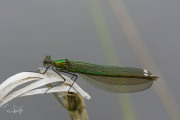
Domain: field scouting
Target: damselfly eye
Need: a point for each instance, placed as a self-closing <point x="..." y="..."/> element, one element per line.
<point x="47" y="61"/>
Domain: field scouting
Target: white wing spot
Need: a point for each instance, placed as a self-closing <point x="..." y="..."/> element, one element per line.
<point x="145" y="74"/>
<point x="145" y="71"/>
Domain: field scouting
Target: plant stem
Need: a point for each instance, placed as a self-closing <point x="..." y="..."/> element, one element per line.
<point x="74" y="104"/>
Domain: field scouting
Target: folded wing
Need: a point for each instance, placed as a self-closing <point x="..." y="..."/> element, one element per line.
<point x="118" y="84"/>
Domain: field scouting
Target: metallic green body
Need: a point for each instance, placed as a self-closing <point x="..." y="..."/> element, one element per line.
<point x="60" y="64"/>
<point x="102" y="70"/>
<point x="110" y="78"/>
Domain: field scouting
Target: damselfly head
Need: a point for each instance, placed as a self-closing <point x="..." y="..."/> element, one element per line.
<point x="47" y="61"/>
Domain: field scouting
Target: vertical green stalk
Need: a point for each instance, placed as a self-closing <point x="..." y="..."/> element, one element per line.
<point x="103" y="32"/>
<point x="111" y="53"/>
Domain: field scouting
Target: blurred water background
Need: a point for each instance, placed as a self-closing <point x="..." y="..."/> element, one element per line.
<point x="131" y="33"/>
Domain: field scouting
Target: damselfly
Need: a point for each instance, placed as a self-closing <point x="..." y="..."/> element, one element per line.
<point x="110" y="78"/>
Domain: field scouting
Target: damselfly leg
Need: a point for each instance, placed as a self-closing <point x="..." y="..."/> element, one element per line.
<point x="73" y="75"/>
<point x="54" y="69"/>
<point x="46" y="69"/>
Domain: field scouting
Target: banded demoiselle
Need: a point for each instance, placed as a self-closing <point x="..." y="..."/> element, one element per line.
<point x="110" y="78"/>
